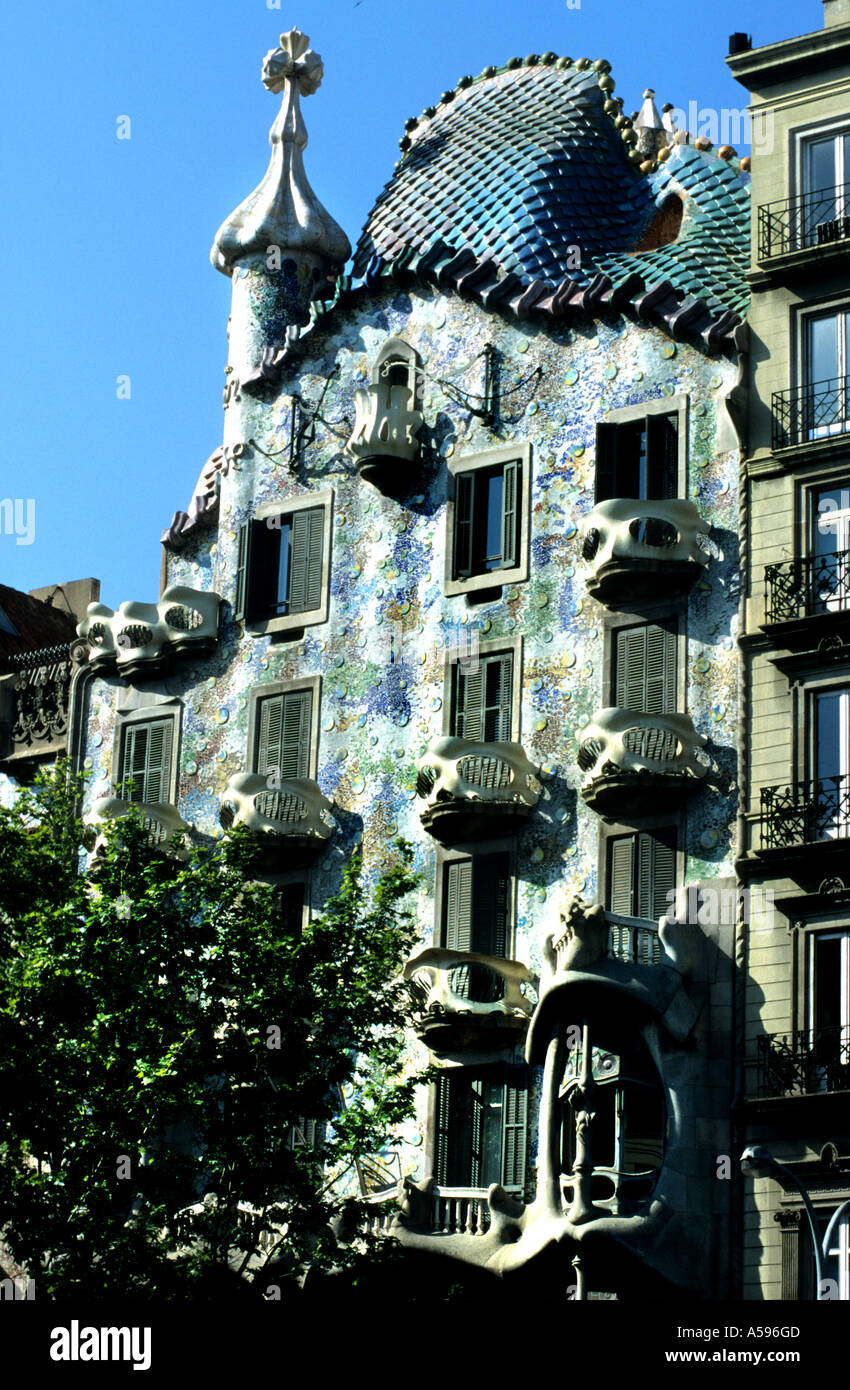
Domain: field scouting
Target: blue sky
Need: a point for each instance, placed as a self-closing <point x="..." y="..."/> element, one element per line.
<point x="105" y="241"/>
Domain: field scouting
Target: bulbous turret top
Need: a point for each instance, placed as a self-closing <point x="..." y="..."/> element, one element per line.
<point x="283" y="211"/>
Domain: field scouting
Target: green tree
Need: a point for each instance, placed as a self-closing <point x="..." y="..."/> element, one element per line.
<point x="162" y="1042"/>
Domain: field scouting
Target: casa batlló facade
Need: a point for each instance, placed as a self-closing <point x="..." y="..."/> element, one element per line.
<point x="465" y="569"/>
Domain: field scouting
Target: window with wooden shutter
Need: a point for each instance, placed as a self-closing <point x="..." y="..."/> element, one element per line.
<point x="482" y="699"/>
<point x="487" y="519"/>
<point x="477" y="904"/>
<point x="638" y="458"/>
<point x="283" y="738"/>
<point x="279" y="566"/>
<point x="305" y="560"/>
<point x="645" y="669"/>
<point x="242" y="604"/>
<point x="480" y="1131"/>
<point x="641" y="873"/>
<point x="146" y="761"/>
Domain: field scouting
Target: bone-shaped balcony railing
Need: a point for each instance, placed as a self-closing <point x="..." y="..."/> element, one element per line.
<point x="160" y="819"/>
<point x="624" y="529"/>
<point x="136" y="636"/>
<point x="293" y="808"/>
<point x="623" y="740"/>
<point x="459" y="774"/>
<point x="385" y="423"/>
<point x="468" y="982"/>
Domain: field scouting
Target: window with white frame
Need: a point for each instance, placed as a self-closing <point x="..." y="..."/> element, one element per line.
<point x="826" y="355"/>
<point x="829" y="1009"/>
<point x="829" y="548"/>
<point x="831" y="763"/>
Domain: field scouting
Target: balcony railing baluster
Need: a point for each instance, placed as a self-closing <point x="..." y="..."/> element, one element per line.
<point x="814" y="410"/>
<point x="819" y="218"/>
<point x="808" y="585"/>
<point x="802" y="813"/>
<point x="804" y="1062"/>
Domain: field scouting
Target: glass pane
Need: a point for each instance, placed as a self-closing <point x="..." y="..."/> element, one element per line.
<point x="828" y="983"/>
<point x="823" y="348"/>
<point x="281" y="598"/>
<point x="831" y="518"/>
<point x="829" y="733"/>
<point x="820" y="173"/>
<point x="493" y="556"/>
<point x="492" y="1104"/>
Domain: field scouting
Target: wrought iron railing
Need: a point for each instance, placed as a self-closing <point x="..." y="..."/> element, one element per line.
<point x="815" y="410"/>
<point x="633" y="940"/>
<point x="803" y="812"/>
<point x="804" y="1062"/>
<point x="810" y="219"/>
<point x="811" y="584"/>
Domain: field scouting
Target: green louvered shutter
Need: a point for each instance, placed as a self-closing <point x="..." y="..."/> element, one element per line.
<point x="479" y="1091"/>
<point x="283" y="742"/>
<point x="656" y="873"/>
<point x="662" y="434"/>
<point x="469" y="721"/>
<point x="621" y="876"/>
<point x="490" y="904"/>
<point x="607" y="439"/>
<point x="146" y="763"/>
<point x="510" y="513"/>
<point x="458" y="916"/>
<point x="443" y="1130"/>
<point x="464" y="505"/>
<point x="515" y="1113"/>
<point x="305" y="560"/>
<point x="497" y="693"/>
<point x="244" y="564"/>
<point x="646" y="669"/>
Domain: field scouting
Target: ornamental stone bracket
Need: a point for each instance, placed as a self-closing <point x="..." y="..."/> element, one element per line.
<point x="142" y="639"/>
<point x="384" y="442"/>
<point x="641" y="548"/>
<point x="634" y="761"/>
<point x="470" y="999"/>
<point x="161" y="820"/>
<point x="664" y="1238"/>
<point x="469" y="789"/>
<point x="291" y="816"/>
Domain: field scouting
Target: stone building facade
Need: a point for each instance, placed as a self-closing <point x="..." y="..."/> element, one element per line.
<point x="794" y="980"/>
<point x="464" y="569"/>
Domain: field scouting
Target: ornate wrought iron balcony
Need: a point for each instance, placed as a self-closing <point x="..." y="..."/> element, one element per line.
<point x="803" y="813"/>
<point x="629" y="938"/>
<point x="806" y="586"/>
<point x="468" y="789"/>
<point x="142" y="638"/>
<point x="637" y="547"/>
<point x="471" y="1000"/>
<point x="34" y="702"/>
<point x="292" y="815"/>
<point x="160" y="819"/>
<point x="815" y="410"/>
<point x="806" y="1062"/>
<point x="803" y="222"/>
<point x="635" y="762"/>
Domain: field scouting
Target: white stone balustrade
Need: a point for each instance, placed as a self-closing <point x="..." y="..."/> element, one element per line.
<point x="291" y="808"/>
<point x="448" y="985"/>
<point x="160" y="819"/>
<point x="143" y="636"/>
<point x="631" y="533"/>
<point x="628" y="741"/>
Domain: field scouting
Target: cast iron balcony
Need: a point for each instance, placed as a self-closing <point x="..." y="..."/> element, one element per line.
<point x="804" y="813"/>
<point x="809" y="1061"/>
<point x="806" y="586"/>
<point x="630" y="939"/>
<point x="643" y="548"/>
<point x="815" y="410"/>
<point x="469" y="789"/>
<point x="292" y="817"/>
<point x="471" y="1000"/>
<point x="637" y="764"/>
<point x="806" y="221"/>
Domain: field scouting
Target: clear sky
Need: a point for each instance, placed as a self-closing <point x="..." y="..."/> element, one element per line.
<point x="105" y="241"/>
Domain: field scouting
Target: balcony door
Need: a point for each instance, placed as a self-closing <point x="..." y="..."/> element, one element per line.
<point x="829" y="589"/>
<point x="829" y="805"/>
<point x="826" y="404"/>
<point x="826" y="167"/>
<point x="828" y="1042"/>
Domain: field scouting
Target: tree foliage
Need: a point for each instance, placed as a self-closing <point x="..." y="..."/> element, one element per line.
<point x="162" y="1041"/>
